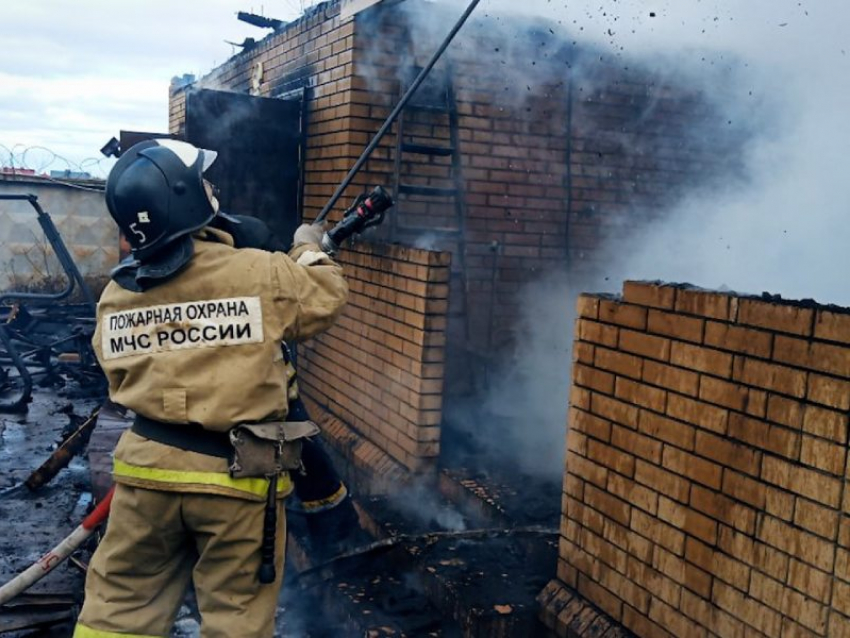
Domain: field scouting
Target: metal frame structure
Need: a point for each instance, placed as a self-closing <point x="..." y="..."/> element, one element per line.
<point x="43" y="339"/>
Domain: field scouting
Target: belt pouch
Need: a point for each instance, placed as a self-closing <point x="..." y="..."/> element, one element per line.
<point x="265" y="449"/>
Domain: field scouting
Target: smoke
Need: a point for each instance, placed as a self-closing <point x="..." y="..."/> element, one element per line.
<point x="418" y="501"/>
<point x="519" y="420"/>
<point x="775" y="224"/>
<point x="227" y="117"/>
<point x="773" y="220"/>
<point x="427" y="241"/>
<point x="784" y="231"/>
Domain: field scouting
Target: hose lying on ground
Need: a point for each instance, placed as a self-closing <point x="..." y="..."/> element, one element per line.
<point x="49" y="561"/>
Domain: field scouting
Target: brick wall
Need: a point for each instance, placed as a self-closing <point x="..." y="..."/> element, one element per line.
<point x="640" y="141"/>
<point x="177" y="108"/>
<point x="314" y="53"/>
<point x="512" y="166"/>
<point x="380" y="368"/>
<point x="559" y="151"/>
<point x="705" y="491"/>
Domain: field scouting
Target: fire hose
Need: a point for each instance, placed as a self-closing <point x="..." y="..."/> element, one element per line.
<point x="50" y="468"/>
<point x="49" y="561"/>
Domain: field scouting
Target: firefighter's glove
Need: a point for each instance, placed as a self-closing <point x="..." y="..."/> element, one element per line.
<point x="308" y="234"/>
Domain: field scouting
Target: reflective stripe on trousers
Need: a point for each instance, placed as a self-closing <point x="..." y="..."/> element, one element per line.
<point x="81" y="631"/>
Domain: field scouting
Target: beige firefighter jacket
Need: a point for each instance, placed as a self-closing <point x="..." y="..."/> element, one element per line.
<point x="205" y="348"/>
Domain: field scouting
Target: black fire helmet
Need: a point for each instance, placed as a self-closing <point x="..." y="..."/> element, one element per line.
<point x="155" y="193"/>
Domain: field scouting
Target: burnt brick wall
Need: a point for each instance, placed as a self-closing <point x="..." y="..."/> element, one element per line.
<point x="706" y="472"/>
<point x="176" y="109"/>
<point x="550" y="166"/>
<point x="560" y="151"/>
<point x="512" y="165"/>
<point x="380" y="368"/>
<point x="315" y="53"/>
<point x="640" y="141"/>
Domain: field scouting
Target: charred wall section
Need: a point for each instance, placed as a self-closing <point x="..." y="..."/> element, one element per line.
<point x="555" y="149"/>
<point x="560" y="149"/>
<point x="705" y="491"/>
<point x="314" y="53"/>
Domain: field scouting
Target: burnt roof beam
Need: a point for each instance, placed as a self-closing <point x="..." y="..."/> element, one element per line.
<point x="260" y="21"/>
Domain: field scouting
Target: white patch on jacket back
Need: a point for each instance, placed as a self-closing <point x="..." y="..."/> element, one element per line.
<point x="197" y="324"/>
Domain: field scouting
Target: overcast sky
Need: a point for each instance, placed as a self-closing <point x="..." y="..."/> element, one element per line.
<point x="73" y="74"/>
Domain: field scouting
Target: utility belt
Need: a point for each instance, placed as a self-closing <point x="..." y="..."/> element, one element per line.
<point x="253" y="450"/>
<point x="190" y="437"/>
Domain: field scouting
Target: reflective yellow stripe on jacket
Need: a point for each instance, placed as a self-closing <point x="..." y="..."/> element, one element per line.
<point x="253" y="486"/>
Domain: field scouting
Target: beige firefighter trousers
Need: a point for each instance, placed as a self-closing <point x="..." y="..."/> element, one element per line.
<point x="156" y="542"/>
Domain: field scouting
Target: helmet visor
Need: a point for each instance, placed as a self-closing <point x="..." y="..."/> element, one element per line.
<point x="208" y="158"/>
<point x="189" y="154"/>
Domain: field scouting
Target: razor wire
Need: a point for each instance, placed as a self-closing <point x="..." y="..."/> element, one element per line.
<point x="38" y="161"/>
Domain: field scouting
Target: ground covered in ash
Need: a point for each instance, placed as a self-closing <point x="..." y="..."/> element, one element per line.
<point x="33" y="522"/>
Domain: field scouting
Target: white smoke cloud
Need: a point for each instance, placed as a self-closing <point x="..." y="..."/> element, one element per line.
<point x="782" y="230"/>
<point x="778" y="70"/>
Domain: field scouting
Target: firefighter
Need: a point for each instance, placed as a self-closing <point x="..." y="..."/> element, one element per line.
<point x="189" y="334"/>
